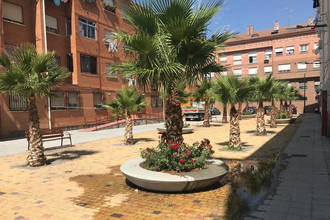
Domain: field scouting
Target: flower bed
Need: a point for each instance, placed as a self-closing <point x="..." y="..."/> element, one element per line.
<point x="177" y="157"/>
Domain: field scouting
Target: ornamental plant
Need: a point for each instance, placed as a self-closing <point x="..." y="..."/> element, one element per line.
<point x="177" y="156"/>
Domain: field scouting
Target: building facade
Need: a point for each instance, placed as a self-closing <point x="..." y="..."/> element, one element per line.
<point x="322" y="28"/>
<point x="286" y="52"/>
<point x="80" y="33"/>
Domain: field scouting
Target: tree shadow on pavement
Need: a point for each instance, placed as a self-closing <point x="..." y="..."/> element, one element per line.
<point x="68" y="155"/>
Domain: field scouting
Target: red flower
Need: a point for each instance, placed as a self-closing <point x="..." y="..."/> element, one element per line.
<point x="147" y="148"/>
<point x="168" y="142"/>
<point x="207" y="141"/>
<point x="185" y="166"/>
<point x="209" y="145"/>
<point x="174" y="147"/>
<point x="192" y="161"/>
<point x="148" y="155"/>
<point x="211" y="151"/>
<point x="182" y="161"/>
<point x="188" y="153"/>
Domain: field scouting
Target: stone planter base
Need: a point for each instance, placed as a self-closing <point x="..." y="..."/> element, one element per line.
<point x="184" y="130"/>
<point x="283" y="121"/>
<point x="248" y="116"/>
<point x="165" y="182"/>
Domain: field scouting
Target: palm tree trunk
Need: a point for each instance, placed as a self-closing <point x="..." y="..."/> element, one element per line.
<point x="286" y="107"/>
<point x="234" y="132"/>
<point x="290" y="109"/>
<point x="239" y="110"/>
<point x="36" y="155"/>
<point x="173" y="120"/>
<point x="128" y="129"/>
<point x="273" y="116"/>
<point x="247" y="107"/>
<point x="224" y="115"/>
<point x="281" y="106"/>
<point x="261" y="129"/>
<point x="206" y="122"/>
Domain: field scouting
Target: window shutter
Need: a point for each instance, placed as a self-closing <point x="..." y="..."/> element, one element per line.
<point x="51" y="22"/>
<point x="253" y="71"/>
<point x="284" y="67"/>
<point x="12" y="12"/>
<point x="237" y="57"/>
<point x="268" y="69"/>
<point x="278" y="50"/>
<point x="302" y="66"/>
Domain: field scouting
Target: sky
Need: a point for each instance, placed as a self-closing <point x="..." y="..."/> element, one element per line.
<point x="236" y="15"/>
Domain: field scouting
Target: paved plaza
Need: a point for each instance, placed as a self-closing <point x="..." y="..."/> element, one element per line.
<point x="84" y="181"/>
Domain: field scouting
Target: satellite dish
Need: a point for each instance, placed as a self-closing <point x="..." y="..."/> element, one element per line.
<point x="57" y="2"/>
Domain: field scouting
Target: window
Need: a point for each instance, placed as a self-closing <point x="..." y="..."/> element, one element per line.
<point x="109" y="73"/>
<point x="69" y="61"/>
<point x="303" y="48"/>
<point x="237" y="59"/>
<point x="302" y="66"/>
<point x="73" y="100"/>
<point x="57" y="101"/>
<point x="87" y="28"/>
<point x="224" y="73"/>
<point x="290" y="50"/>
<point x="156" y="102"/>
<point x="68" y="29"/>
<point x="223" y="58"/>
<point x="279" y="52"/>
<point x="268" y="54"/>
<point x="284" y="68"/>
<point x="109" y="6"/>
<point x="51" y="24"/>
<point x="268" y="69"/>
<point x="88" y="64"/>
<point x="316" y="64"/>
<point x="124" y="11"/>
<point x="11" y="12"/>
<point x="238" y="73"/>
<point x="97" y="100"/>
<point x="253" y="72"/>
<point x="252" y="57"/>
<point x="17" y="103"/>
<point x="58" y="60"/>
<point x="316" y="45"/>
<point x="303" y="86"/>
<point x="317" y="86"/>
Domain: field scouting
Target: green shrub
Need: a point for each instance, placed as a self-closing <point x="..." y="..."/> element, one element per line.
<point x="247" y="113"/>
<point x="176" y="156"/>
<point x="282" y="115"/>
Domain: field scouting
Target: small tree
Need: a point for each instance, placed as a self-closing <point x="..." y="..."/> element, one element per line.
<point x="273" y="95"/>
<point x="234" y="91"/>
<point x="261" y="90"/>
<point x="293" y="94"/>
<point x="202" y="94"/>
<point x="31" y="75"/>
<point x="127" y="102"/>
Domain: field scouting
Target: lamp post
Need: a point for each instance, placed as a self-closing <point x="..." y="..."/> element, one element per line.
<point x="304" y="92"/>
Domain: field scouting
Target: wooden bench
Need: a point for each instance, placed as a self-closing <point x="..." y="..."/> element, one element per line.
<point x="51" y="135"/>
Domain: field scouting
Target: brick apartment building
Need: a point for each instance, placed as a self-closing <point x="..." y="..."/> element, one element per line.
<point x="287" y="52"/>
<point x="79" y="32"/>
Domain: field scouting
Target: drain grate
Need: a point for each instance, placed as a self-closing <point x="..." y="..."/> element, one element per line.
<point x="298" y="155"/>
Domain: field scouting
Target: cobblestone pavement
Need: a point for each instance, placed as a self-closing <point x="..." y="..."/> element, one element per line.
<point x="303" y="191"/>
<point x="83" y="182"/>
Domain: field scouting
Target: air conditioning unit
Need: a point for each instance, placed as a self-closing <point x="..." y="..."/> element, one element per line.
<point x="266" y="61"/>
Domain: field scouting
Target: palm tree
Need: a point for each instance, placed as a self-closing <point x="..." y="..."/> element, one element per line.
<point x="170" y="47"/>
<point x="31" y="75"/>
<point x="202" y="94"/>
<point x="261" y="89"/>
<point x="234" y="91"/>
<point x="222" y="98"/>
<point x="293" y="95"/>
<point x="284" y="93"/>
<point x="273" y="95"/>
<point x="127" y="102"/>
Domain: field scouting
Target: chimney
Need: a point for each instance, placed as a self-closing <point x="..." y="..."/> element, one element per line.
<point x="276" y="26"/>
<point x="309" y="20"/>
<point x="250" y="29"/>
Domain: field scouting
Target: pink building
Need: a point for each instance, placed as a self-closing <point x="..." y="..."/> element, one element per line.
<point x="287" y="52"/>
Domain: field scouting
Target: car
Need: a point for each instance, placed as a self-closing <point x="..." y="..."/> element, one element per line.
<point x="251" y="109"/>
<point x="267" y="109"/>
<point x="214" y="111"/>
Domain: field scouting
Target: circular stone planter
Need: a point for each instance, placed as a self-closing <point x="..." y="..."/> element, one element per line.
<point x="184" y="130"/>
<point x="165" y="182"/>
<point x="248" y="116"/>
<point x="283" y="121"/>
